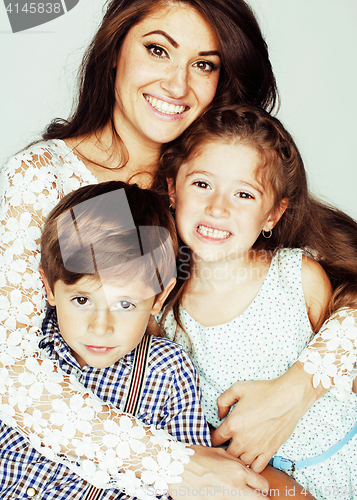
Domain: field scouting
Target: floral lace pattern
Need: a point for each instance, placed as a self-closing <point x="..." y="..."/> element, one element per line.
<point x="61" y="419"/>
<point x="331" y="356"/>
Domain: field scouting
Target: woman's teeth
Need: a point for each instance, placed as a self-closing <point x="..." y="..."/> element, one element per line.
<point x="164" y="107"/>
<point x="213" y="233"/>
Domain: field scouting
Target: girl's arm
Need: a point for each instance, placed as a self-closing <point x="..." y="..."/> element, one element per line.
<point x="60" y="419"/>
<point x="269" y="410"/>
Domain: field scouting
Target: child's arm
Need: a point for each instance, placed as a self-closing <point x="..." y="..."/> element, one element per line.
<point x="317" y="291"/>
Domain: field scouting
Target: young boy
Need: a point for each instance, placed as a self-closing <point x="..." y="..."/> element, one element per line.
<point x="108" y="263"/>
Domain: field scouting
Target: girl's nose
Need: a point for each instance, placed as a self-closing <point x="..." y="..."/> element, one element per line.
<point x="217" y="207"/>
<point x="100" y="323"/>
<point x="176" y="82"/>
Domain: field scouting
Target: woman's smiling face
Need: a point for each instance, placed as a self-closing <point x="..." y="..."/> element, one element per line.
<point x="167" y="74"/>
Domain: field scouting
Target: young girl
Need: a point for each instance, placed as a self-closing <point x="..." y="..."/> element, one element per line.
<point x="254" y="298"/>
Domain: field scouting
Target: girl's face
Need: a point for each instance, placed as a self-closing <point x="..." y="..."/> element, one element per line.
<point x="167" y="74"/>
<point x="221" y="208"/>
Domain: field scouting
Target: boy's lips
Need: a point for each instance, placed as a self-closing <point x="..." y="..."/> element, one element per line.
<point x="213" y="233"/>
<point x="98" y="349"/>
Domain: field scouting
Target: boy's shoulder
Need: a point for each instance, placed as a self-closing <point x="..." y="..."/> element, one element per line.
<point x="167" y="355"/>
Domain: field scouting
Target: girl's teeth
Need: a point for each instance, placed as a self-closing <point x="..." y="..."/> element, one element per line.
<point x="213" y="233"/>
<point x="164" y="107"/>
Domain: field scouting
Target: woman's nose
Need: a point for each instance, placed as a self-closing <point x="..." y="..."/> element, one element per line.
<point x="217" y="206"/>
<point x="100" y="323"/>
<point x="176" y="82"/>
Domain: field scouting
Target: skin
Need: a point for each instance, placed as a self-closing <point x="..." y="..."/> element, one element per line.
<point x="103" y="321"/>
<point x="157" y="60"/>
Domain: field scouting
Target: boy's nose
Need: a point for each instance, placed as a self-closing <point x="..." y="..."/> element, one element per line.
<point x="100" y="323"/>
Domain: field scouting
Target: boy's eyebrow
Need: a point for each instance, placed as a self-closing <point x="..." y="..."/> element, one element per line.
<point x="176" y="45"/>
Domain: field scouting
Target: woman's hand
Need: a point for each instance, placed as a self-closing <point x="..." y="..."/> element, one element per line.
<point x="265" y="416"/>
<point x="212" y="472"/>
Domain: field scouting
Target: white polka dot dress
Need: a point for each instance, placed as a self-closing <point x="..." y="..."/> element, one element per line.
<point x="262" y="343"/>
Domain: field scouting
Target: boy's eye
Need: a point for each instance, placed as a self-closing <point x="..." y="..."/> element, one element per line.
<point x="205" y="66"/>
<point x="125" y="305"/>
<point x="244" y="194"/>
<point x="156" y="51"/>
<point x="81" y="301"/>
<point x="202" y="184"/>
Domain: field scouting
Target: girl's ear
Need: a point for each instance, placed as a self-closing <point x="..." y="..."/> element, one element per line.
<point x="50" y="295"/>
<point x="172" y="191"/>
<point x="276" y="215"/>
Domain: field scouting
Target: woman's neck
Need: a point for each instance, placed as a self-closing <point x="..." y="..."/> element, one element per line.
<point x="129" y="161"/>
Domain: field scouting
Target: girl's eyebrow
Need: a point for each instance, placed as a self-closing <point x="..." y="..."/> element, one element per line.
<point x="176" y="45"/>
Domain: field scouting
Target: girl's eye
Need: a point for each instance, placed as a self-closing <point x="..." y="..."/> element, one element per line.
<point x="81" y="301"/>
<point x="202" y="184"/>
<point x="125" y="305"/>
<point x="243" y="194"/>
<point x="156" y="51"/>
<point x="205" y="66"/>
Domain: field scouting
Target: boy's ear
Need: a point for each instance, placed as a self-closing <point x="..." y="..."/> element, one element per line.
<point x="172" y="190"/>
<point x="156" y="308"/>
<point x="276" y="215"/>
<point x="50" y="296"/>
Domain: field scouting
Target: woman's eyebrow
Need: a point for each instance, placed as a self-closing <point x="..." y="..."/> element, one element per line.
<point x="163" y="33"/>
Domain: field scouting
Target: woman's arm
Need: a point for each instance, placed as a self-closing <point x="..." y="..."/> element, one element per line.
<point x="63" y="421"/>
<point x="268" y="411"/>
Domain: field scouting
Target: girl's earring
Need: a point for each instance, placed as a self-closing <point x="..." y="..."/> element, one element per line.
<point x="267" y="234"/>
<point x="172" y="210"/>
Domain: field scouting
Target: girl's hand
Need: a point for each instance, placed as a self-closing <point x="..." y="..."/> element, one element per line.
<point x="212" y="472"/>
<point x="265" y="416"/>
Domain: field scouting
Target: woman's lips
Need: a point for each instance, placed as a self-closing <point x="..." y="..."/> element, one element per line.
<point x="166" y="109"/>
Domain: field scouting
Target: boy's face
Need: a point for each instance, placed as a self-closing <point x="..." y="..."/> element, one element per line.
<point x="101" y="322"/>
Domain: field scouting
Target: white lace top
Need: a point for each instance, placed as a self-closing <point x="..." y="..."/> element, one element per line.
<point x="61" y="419"/>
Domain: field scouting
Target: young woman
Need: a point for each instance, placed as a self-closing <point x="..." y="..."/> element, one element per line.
<point x="151" y="70"/>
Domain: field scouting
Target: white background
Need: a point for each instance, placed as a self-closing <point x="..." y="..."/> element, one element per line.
<point x="313" y="48"/>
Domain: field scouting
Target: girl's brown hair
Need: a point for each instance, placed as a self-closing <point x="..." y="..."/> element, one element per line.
<point x="246" y="75"/>
<point x="326" y="233"/>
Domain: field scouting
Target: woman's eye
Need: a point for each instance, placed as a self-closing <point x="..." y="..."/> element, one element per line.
<point x="81" y="301"/>
<point x="202" y="184"/>
<point x="156" y="51"/>
<point x="243" y="194"/>
<point x="125" y="305"/>
<point x="205" y="66"/>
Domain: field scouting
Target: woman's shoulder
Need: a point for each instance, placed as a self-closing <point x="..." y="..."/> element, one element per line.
<point x="43" y="165"/>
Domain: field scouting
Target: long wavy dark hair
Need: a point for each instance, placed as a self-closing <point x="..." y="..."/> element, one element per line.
<point x="326" y="233"/>
<point x="246" y="75"/>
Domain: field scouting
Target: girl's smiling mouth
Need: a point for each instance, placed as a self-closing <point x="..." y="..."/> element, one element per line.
<point x="212" y="233"/>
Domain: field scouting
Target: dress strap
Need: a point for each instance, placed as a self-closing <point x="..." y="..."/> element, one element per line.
<point x="282" y="463"/>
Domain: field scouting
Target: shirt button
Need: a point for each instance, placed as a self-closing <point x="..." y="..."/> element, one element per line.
<point x="31" y="492"/>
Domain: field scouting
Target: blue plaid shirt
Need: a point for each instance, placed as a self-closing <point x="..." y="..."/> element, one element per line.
<point x="170" y="401"/>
